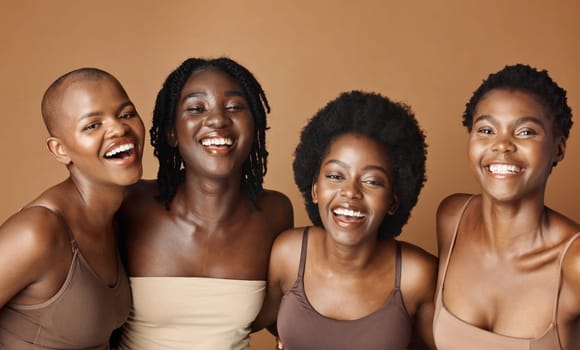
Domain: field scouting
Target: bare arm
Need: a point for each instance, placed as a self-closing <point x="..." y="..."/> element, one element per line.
<point x="418" y="283"/>
<point x="571" y="290"/>
<point x="282" y="272"/>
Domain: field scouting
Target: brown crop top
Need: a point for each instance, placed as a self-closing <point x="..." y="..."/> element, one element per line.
<point x="301" y="327"/>
<point x="81" y="315"/>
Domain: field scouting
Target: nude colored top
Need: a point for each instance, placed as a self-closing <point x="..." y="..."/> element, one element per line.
<point x="301" y="327"/>
<point x="452" y="333"/>
<point x="191" y="313"/>
<point x="81" y="315"/>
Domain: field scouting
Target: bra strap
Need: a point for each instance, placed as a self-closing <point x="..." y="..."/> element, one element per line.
<point x="451" y="246"/>
<point x="62" y="220"/>
<point x="398" y="263"/>
<point x="303" y="253"/>
<point x="559" y="284"/>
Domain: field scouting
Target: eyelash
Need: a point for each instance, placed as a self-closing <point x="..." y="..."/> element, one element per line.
<point x="128" y="115"/>
<point x="486" y="131"/>
<point x="91" y="126"/>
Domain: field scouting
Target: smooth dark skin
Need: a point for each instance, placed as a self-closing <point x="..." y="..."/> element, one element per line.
<point x="349" y="272"/>
<point x="504" y="265"/>
<point x="35" y="249"/>
<point x="211" y="229"/>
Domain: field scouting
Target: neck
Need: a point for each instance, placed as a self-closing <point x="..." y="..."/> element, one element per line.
<point x="210" y="200"/>
<point x="350" y="259"/>
<point x="97" y="204"/>
<point x="513" y="229"/>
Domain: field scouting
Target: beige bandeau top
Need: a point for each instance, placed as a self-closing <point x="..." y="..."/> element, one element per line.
<point x="181" y="313"/>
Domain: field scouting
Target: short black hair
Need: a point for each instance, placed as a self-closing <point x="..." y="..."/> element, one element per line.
<point x="522" y="77"/>
<point x="390" y="123"/>
<point x="170" y="173"/>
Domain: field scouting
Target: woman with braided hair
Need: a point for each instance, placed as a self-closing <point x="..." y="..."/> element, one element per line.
<point x="198" y="239"/>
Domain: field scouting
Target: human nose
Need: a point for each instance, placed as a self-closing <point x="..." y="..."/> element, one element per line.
<point x="117" y="127"/>
<point x="351" y="189"/>
<point x="504" y="144"/>
<point x="218" y="119"/>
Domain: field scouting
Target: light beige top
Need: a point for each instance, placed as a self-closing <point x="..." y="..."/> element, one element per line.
<point x="191" y="313"/>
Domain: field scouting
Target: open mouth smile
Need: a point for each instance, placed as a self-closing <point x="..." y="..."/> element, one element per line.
<point x="121" y="151"/>
<point x="503" y="169"/>
<point x="217" y="142"/>
<point x="348" y="214"/>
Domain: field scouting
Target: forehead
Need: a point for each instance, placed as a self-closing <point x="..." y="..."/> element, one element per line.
<point x="83" y="96"/>
<point x="85" y="92"/>
<point x="210" y="79"/>
<point x="358" y="148"/>
<point x="514" y="103"/>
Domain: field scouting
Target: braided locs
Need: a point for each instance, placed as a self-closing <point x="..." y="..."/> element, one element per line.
<point x="170" y="173"/>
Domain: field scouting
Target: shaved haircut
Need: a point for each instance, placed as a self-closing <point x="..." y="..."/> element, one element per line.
<point x="50" y="106"/>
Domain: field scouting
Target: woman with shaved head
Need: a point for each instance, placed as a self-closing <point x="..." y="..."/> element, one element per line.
<point x="62" y="284"/>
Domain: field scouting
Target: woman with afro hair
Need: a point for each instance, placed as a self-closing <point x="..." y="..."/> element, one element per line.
<point x="346" y="282"/>
<point x="198" y="239"/>
<point x="509" y="273"/>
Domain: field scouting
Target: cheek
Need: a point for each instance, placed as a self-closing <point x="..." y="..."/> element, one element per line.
<point x="474" y="150"/>
<point x="246" y="126"/>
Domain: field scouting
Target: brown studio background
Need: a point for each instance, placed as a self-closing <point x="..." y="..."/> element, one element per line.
<point x="430" y="55"/>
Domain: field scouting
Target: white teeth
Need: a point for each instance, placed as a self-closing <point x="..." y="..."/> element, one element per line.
<point x="348" y="212"/>
<point x="217" y="141"/>
<point x="504" y="169"/>
<point x="117" y="150"/>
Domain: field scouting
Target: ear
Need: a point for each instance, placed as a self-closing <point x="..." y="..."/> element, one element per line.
<point x="560" y="151"/>
<point x="172" y="138"/>
<point x="394" y="205"/>
<point x="58" y="150"/>
<point x="313" y="193"/>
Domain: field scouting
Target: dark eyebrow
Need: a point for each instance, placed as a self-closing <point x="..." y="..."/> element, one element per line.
<point x="203" y="94"/>
<point x="519" y="121"/>
<point x="99" y="113"/>
<point x="368" y="167"/>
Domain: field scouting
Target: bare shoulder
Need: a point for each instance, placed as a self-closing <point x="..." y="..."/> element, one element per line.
<point x="31" y="242"/>
<point x="571" y="264"/>
<point x="448" y="215"/>
<point x="419" y="266"/>
<point x="36" y="229"/>
<point x="288" y="244"/>
<point x="277" y="208"/>
<point x="285" y="255"/>
<point x="418" y="279"/>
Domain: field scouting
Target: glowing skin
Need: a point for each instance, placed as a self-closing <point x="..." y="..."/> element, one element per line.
<point x="214" y="127"/>
<point x="100" y="134"/>
<point x="511" y="138"/>
<point x="353" y="189"/>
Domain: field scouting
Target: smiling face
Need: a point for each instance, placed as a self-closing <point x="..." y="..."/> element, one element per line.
<point x="98" y="133"/>
<point x="214" y="128"/>
<point x="513" y="144"/>
<point x="353" y="189"/>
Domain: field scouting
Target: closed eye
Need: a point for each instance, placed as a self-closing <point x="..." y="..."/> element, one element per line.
<point x="373" y="183"/>
<point x="128" y="115"/>
<point x="235" y="108"/>
<point x="195" y="109"/>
